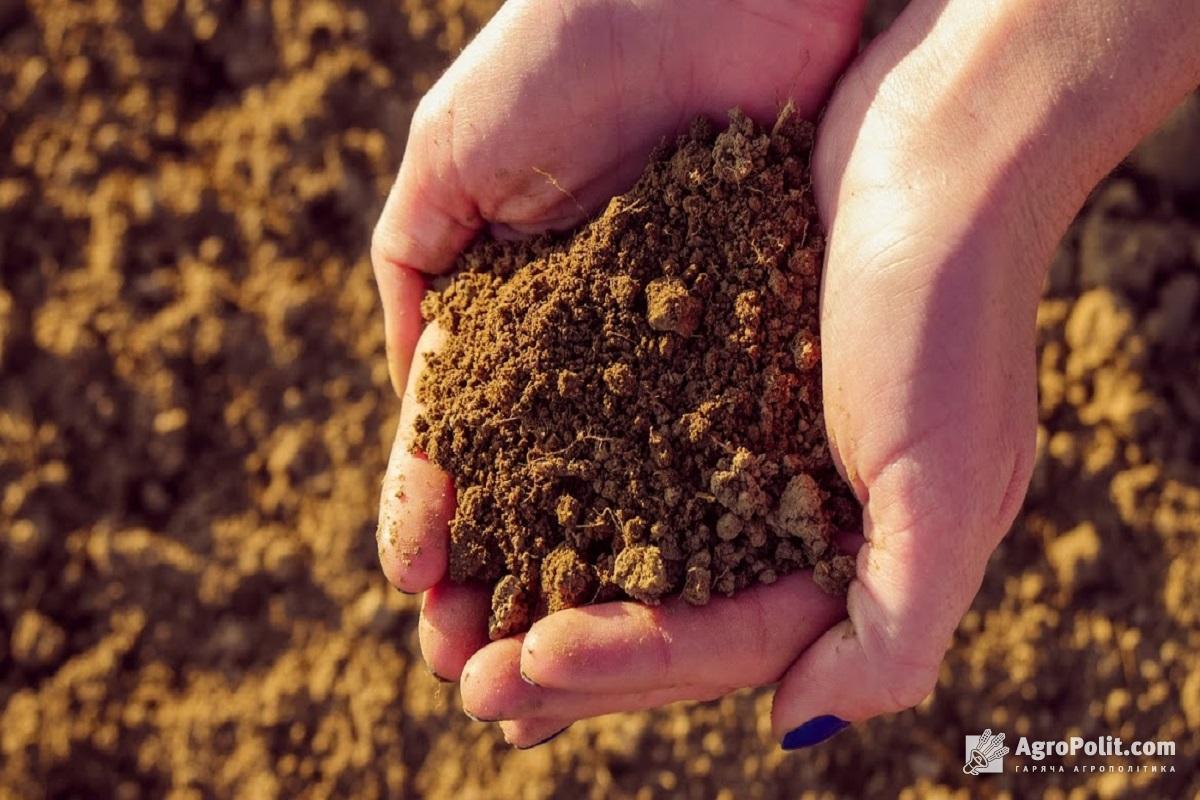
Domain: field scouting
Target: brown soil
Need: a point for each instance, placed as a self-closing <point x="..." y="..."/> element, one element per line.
<point x="194" y="412"/>
<point x="636" y="411"/>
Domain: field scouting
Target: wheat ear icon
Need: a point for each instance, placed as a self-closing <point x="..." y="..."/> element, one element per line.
<point x="989" y="747"/>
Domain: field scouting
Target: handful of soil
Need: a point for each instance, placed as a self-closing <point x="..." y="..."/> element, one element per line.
<point x="635" y="411"/>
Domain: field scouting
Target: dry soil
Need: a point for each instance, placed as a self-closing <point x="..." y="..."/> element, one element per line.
<point x="194" y="412"/>
<point x="635" y="410"/>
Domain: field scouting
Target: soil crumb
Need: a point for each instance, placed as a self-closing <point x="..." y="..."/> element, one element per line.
<point x="635" y="411"/>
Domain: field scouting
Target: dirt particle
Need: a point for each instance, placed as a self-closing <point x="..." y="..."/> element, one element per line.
<point x="800" y="513"/>
<point x="36" y="640"/>
<point x="736" y="150"/>
<point x="566" y="580"/>
<point x="624" y="290"/>
<point x="729" y="525"/>
<point x="738" y="486"/>
<point x="567" y="511"/>
<point x="669" y="307"/>
<point x="619" y="380"/>
<point x="697" y="585"/>
<point x="570" y="383"/>
<point x="835" y="574"/>
<point x="806" y="350"/>
<point x="641" y="574"/>
<point x="510" y="608"/>
<point x="634" y="531"/>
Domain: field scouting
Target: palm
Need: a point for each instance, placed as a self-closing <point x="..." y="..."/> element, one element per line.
<point x="534" y="137"/>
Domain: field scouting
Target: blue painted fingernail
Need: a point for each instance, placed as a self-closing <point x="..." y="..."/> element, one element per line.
<point x="815" y="731"/>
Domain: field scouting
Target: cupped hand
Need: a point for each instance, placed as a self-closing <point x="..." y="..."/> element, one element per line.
<point x="927" y="323"/>
<point x="553" y="109"/>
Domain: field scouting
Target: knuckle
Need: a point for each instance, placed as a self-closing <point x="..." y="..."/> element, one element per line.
<point x="380" y="244"/>
<point x="427" y="108"/>
<point x="756" y="629"/>
<point x="659" y="640"/>
<point x="432" y="120"/>
<point x="420" y="151"/>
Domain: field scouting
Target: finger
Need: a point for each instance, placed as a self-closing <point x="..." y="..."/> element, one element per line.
<point x="493" y="689"/>
<point x="745" y="640"/>
<point x="417" y="501"/>
<point x="429" y="216"/>
<point x="915" y="578"/>
<point x="529" y="733"/>
<point x="453" y="626"/>
<point x="425" y="223"/>
<point x="427" y="220"/>
<point x="400" y="290"/>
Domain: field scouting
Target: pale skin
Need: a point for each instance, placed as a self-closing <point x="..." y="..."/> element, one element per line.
<point x="951" y="157"/>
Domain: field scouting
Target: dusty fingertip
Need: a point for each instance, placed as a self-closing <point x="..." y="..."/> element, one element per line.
<point x="398" y="572"/>
<point x="389" y="564"/>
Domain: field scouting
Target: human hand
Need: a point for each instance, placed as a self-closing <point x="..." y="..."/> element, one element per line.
<point x="949" y="164"/>
<point x="554" y="108"/>
<point x="524" y="138"/>
<point x="927" y="171"/>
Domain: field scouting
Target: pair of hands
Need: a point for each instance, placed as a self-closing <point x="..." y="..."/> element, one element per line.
<point x="937" y="242"/>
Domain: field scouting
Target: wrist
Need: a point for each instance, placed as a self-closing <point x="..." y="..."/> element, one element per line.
<point x="1019" y="103"/>
<point x="1104" y="71"/>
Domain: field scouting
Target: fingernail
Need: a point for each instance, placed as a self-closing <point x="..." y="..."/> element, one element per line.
<point x="528" y="680"/>
<point x="815" y="731"/>
<point x="549" y="738"/>
<point x="439" y="677"/>
<point x="479" y="719"/>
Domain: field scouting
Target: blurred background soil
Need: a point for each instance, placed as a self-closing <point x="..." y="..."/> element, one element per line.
<point x="194" y="412"/>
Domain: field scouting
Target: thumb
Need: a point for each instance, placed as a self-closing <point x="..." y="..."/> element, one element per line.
<point x="916" y="576"/>
<point x="427" y="220"/>
<point x="937" y="430"/>
<point x="930" y="401"/>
